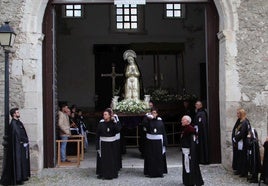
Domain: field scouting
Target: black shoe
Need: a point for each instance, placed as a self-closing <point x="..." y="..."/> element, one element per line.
<point x="26" y="179"/>
<point x="99" y="177"/>
<point x="253" y="181"/>
<point x="19" y="183"/>
<point x="243" y="175"/>
<point x="107" y="178"/>
<point x="236" y="173"/>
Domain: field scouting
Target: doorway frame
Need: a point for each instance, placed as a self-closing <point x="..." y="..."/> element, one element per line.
<point x="212" y="56"/>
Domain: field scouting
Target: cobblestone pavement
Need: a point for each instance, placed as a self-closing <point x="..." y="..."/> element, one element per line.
<point x="212" y="175"/>
<point x="132" y="173"/>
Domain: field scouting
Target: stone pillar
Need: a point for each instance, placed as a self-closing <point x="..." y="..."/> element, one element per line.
<point x="229" y="90"/>
<point x="26" y="71"/>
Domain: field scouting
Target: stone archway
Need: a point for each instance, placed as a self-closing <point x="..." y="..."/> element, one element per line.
<point x="31" y="79"/>
<point x="26" y="70"/>
<point x="228" y="77"/>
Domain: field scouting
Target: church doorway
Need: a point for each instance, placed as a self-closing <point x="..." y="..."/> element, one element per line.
<point x="179" y="54"/>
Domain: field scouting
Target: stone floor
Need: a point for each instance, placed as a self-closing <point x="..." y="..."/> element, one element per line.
<point x="132" y="173"/>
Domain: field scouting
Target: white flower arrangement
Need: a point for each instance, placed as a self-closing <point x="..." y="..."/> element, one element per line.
<point x="132" y="106"/>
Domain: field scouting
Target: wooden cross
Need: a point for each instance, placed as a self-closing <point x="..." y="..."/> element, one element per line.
<point x="113" y="75"/>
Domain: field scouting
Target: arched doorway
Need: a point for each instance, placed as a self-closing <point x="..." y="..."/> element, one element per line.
<point x="49" y="88"/>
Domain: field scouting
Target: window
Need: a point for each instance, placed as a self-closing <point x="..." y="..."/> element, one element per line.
<point x="126" y="17"/>
<point x="74" y="11"/>
<point x="174" y="10"/>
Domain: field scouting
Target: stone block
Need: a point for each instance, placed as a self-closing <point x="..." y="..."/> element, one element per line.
<point x="29" y="67"/>
<point x="31" y="100"/>
<point x="35" y="160"/>
<point x="25" y="51"/>
<point x="233" y="92"/>
<point x="29" y="116"/>
<point x="32" y="131"/>
<point x="16" y="68"/>
<point x="29" y="83"/>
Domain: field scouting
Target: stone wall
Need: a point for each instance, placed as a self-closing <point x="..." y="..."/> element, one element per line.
<point x="25" y="68"/>
<point x="11" y="10"/>
<point x="243" y="67"/>
<point x="252" y="61"/>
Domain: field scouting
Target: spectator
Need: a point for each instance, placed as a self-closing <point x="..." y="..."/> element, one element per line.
<point x="64" y="130"/>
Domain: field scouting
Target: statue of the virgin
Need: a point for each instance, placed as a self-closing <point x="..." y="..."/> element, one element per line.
<point x="132" y="85"/>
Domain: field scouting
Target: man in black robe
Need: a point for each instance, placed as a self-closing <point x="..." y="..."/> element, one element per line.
<point x="118" y="150"/>
<point x="264" y="172"/>
<point x="142" y="130"/>
<point x="188" y="109"/>
<point x="240" y="140"/>
<point x="253" y="154"/>
<point x="16" y="169"/>
<point x="155" y="164"/>
<point x="107" y="147"/>
<point x="191" y="174"/>
<point x="234" y="162"/>
<point x="201" y="126"/>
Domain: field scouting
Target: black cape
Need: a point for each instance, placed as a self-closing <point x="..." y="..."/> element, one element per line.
<point x="264" y="174"/>
<point x="142" y="134"/>
<point x="188" y="140"/>
<point x="118" y="153"/>
<point x="155" y="164"/>
<point x="16" y="169"/>
<point x="201" y="122"/>
<point x="253" y="155"/>
<point x="234" y="162"/>
<point x="240" y="137"/>
<point x="108" y="152"/>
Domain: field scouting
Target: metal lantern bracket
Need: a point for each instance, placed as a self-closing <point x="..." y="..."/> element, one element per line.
<point x="7" y="37"/>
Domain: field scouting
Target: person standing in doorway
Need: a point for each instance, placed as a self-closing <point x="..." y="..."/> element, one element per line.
<point x="64" y="130"/>
<point x="107" y="146"/>
<point x="82" y="127"/>
<point x="201" y="126"/>
<point x="155" y="164"/>
<point x="16" y="169"/>
<point x="142" y="129"/>
<point x="191" y="174"/>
